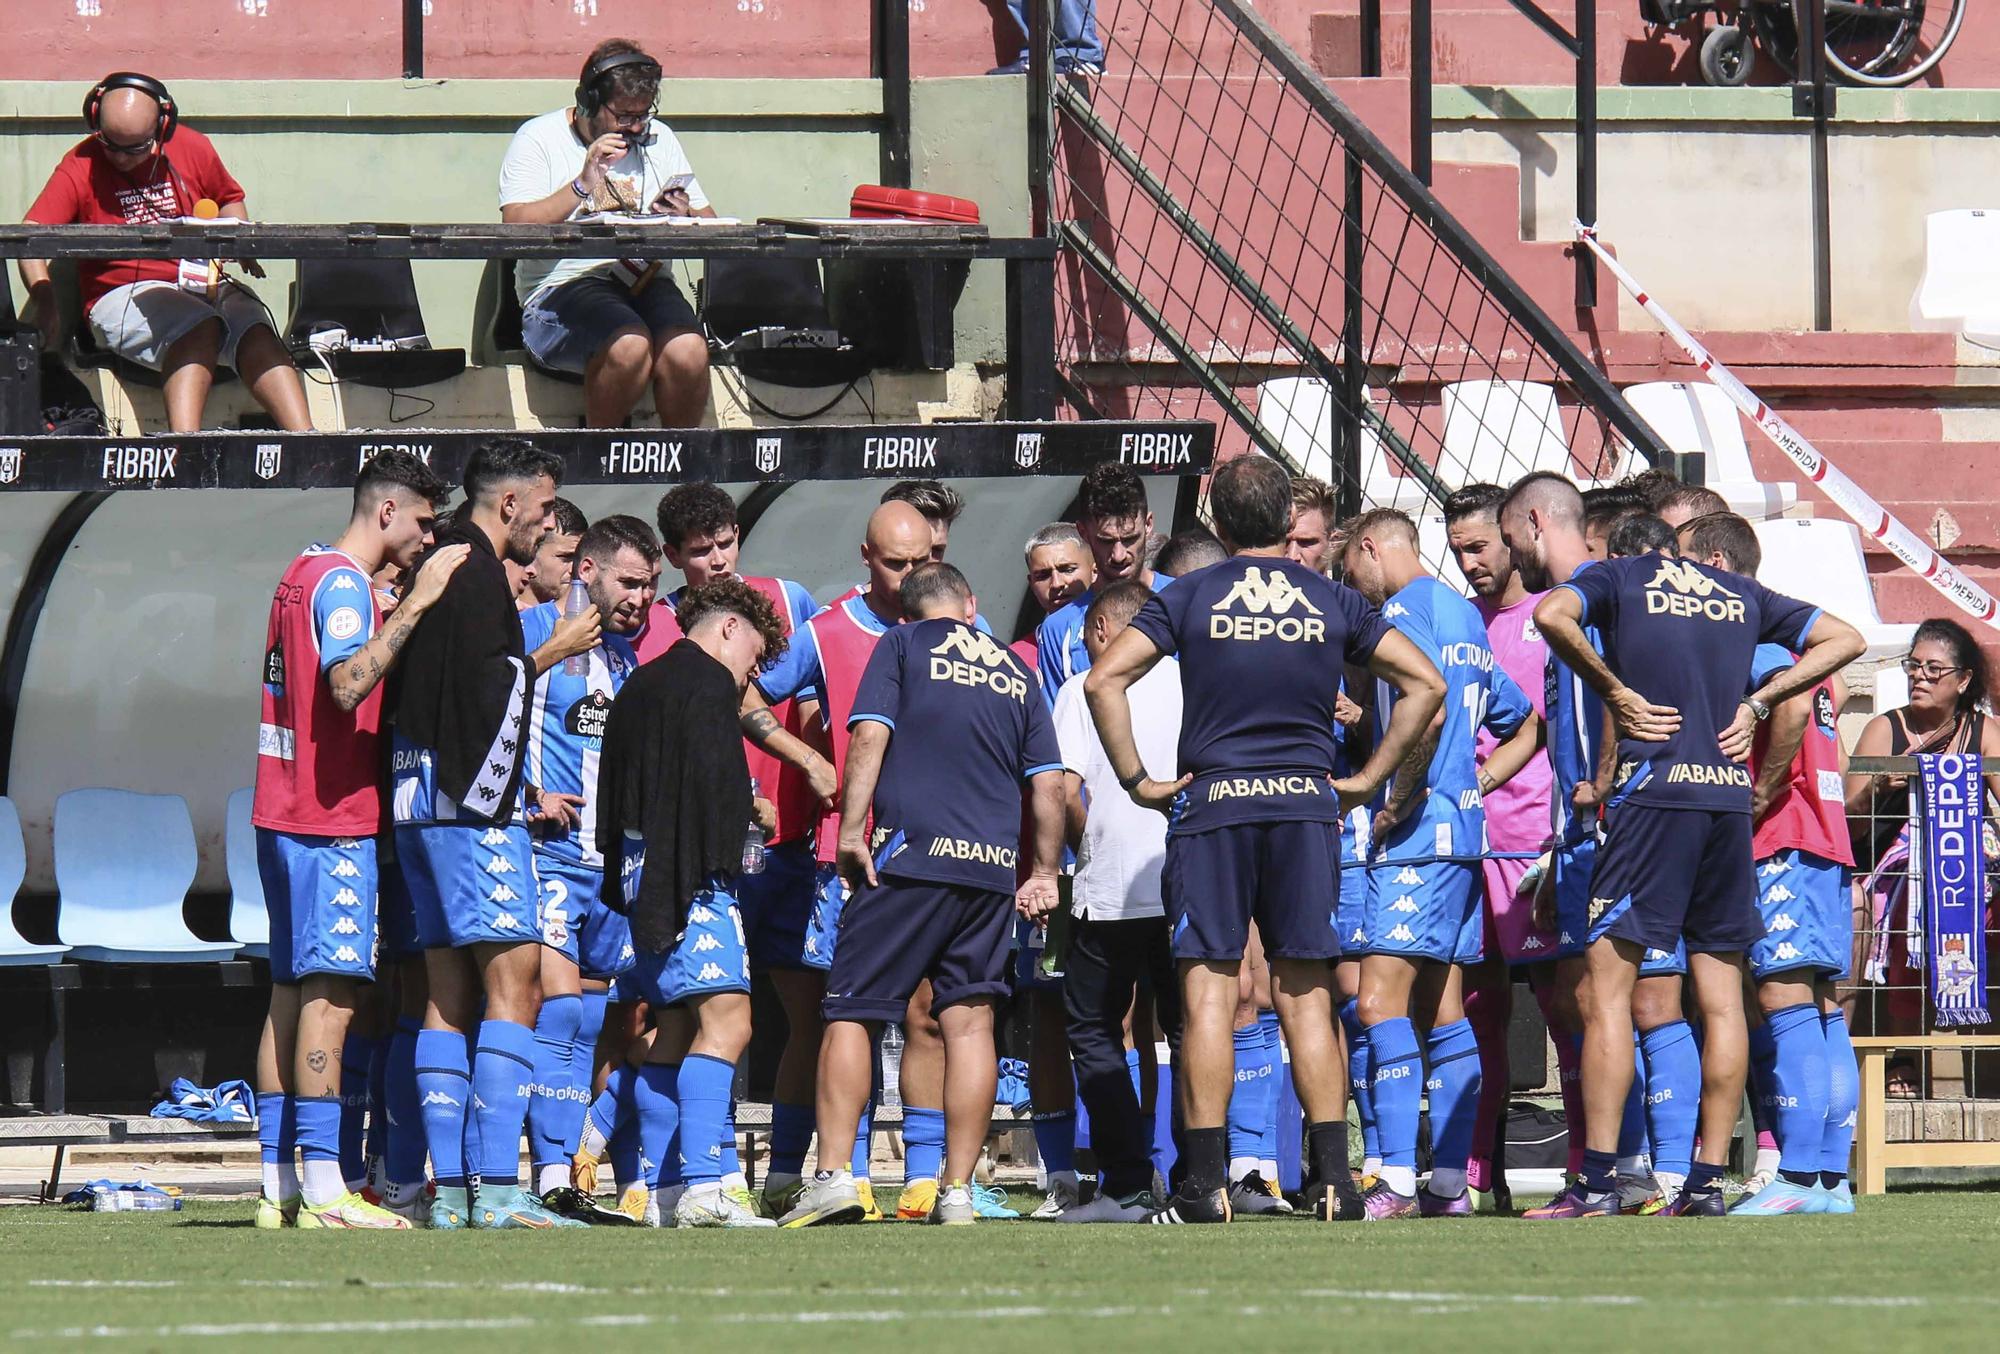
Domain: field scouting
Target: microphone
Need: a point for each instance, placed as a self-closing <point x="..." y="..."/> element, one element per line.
<point x="206" y="210"/>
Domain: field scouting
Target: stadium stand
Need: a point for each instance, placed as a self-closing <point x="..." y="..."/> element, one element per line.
<point x="1960" y="289"/>
<point x="1819" y="559"/>
<point x="1697" y="417"/>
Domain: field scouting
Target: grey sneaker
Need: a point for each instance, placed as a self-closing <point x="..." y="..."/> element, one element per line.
<point x="954" y="1206"/>
<point x="1061" y="1198"/>
<point x="1250" y="1197"/>
<point x="826" y="1200"/>
<point x="713" y="1206"/>
<point x="1112" y="1208"/>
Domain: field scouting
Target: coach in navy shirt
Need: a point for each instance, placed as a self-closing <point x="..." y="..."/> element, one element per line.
<point x="1256" y="811"/>
<point x="1676" y="860"/>
<point x="947" y="726"/>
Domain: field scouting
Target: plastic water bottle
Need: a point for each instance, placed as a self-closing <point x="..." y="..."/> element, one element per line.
<point x="892" y="1064"/>
<point x="577" y="664"/>
<point x="753" y="840"/>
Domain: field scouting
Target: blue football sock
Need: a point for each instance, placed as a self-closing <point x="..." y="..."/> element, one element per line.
<point x="378" y="1099"/>
<point x="353" y="1098"/>
<point x="1055" y="1139"/>
<point x="654" y="1092"/>
<point x="403" y="1148"/>
<point x="583" y="1062"/>
<point x="1703" y="1178"/>
<point x="1600" y="1172"/>
<point x="502" y="1070"/>
<point x="791" y="1134"/>
<point x="923" y="1143"/>
<point x="1453" y="1084"/>
<point x="1632" y="1128"/>
<point x="628" y="1164"/>
<point x="1359" y="1073"/>
<point x="864" y="1142"/>
<point x="1673" y="1094"/>
<point x="727" y="1157"/>
<point x="612" y="1108"/>
<point x="1396" y="1080"/>
<point x="1267" y="1134"/>
<point x="1132" y="1070"/>
<point x="270" y="1120"/>
<point x="444" y="1090"/>
<point x="1802" y="1090"/>
<point x="1247" y="1109"/>
<point x="704" y="1097"/>
<point x="556" y="1098"/>
<point x="1843" y="1099"/>
<point x="318" y="1119"/>
<point x="1763" y="1080"/>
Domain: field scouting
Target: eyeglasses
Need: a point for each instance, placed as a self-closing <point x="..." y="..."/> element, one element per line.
<point x="1930" y="672"/>
<point x="624" y="120"/>
<point x="116" y="149"/>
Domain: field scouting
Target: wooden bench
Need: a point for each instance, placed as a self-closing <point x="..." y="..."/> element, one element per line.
<point x="1874" y="1154"/>
<point x="64" y="1131"/>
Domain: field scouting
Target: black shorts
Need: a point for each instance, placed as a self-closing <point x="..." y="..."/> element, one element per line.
<point x="1664" y="875"/>
<point x="903" y="931"/>
<point x="1286" y="875"/>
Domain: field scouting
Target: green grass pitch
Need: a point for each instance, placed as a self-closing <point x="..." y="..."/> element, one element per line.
<point x="1913" y="1271"/>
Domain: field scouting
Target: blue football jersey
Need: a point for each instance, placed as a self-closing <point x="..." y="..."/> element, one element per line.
<point x="1576" y="738"/>
<point x="1449" y="822"/>
<point x="1060" y="653"/>
<point x="566" y="727"/>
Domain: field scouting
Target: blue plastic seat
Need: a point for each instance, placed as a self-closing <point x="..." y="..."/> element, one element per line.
<point x="14" y="868"/>
<point x="124" y="864"/>
<point x="249" y="921"/>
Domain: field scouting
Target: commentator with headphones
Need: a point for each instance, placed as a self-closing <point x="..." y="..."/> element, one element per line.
<point x="181" y="318"/>
<point x="622" y="325"/>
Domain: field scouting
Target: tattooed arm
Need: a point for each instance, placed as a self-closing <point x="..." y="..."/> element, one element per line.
<point x="761" y="727"/>
<point x="354" y="677"/>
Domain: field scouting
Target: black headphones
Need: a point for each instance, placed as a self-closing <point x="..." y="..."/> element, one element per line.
<point x="170" y="113"/>
<point x="590" y="95"/>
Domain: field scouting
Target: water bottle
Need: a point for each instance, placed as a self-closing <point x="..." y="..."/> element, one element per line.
<point x="753" y="840"/>
<point x="577" y="664"/>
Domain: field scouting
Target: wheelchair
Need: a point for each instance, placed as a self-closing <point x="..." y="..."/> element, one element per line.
<point x="1883" y="43"/>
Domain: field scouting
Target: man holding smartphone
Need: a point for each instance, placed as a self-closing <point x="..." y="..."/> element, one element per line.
<point x="620" y="324"/>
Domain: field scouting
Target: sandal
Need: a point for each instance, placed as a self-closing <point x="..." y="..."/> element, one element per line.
<point x="1901" y="1081"/>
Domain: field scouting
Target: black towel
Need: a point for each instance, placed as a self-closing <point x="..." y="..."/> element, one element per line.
<point x="673" y="772"/>
<point x="461" y="688"/>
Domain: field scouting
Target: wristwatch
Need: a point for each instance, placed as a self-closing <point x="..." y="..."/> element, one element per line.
<point x="1757" y="708"/>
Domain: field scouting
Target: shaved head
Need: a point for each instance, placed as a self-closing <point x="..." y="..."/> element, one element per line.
<point x="1542" y="524"/>
<point x="128" y="116"/>
<point x="899" y="539"/>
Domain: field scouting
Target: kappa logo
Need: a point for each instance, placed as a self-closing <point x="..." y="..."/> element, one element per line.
<point x="699" y="913"/>
<point x="10" y="464"/>
<point x="346" y="869"/>
<point x="710" y="973"/>
<point x="270" y="455"/>
<point x="1404" y="904"/>
<point x="346" y="843"/>
<point x="495" y="836"/>
<point x="1656" y="956"/>
<point x="346" y="926"/>
<point x="1408" y="878"/>
<point x="1776" y="867"/>
<point x="1401" y="931"/>
<point x="346" y="954"/>
<point x="500" y="865"/>
<point x="972" y="646"/>
<point x="507" y="921"/>
<point x="438" y="1098"/>
<point x="1783" y="922"/>
<point x="1533" y="943"/>
<point x="1598" y="907"/>
<point x="1360" y="937"/>
<point x="812" y="945"/>
<point x="770" y="451"/>
<point x="503" y="894"/>
<point x="626" y="954"/>
<point x="1269" y="601"/>
<point x="343" y="581"/>
<point x="1027" y="450"/>
<point x="1786" y="950"/>
<point x="706" y="943"/>
<point x="1779" y="894"/>
<point x="1679" y="588"/>
<point x="1393" y="610"/>
<point x="968" y="658"/>
<point x="347" y="898"/>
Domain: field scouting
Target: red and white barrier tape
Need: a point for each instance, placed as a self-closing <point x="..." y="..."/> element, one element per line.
<point x="1905" y="544"/>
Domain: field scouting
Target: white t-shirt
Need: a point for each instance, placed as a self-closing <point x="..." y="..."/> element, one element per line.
<point x="1124" y="846"/>
<point x="545" y="155"/>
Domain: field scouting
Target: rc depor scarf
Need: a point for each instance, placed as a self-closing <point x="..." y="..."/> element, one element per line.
<point x="462" y="686"/>
<point x="673" y="772"/>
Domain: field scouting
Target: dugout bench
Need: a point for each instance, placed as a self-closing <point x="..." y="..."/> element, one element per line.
<point x="64" y="1131"/>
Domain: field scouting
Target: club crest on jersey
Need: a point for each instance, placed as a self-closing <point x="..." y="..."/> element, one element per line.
<point x="1269" y="601"/>
<point x="1681" y="589"/>
<point x="968" y="658"/>
<point x="1027" y="450"/>
<point x="586" y="717"/>
<point x="270" y="456"/>
<point x="10" y="464"/>
<point x="769" y="451"/>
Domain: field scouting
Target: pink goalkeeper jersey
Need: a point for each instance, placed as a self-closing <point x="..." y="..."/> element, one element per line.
<point x="1517" y="814"/>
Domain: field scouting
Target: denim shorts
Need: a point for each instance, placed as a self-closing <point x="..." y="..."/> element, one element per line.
<point x="564" y="327"/>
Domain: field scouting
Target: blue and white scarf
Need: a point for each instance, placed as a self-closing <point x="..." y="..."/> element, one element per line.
<point x="1954" y="878"/>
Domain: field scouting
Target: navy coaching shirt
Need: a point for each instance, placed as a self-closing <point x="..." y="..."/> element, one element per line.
<point x="1683" y="635"/>
<point x="1261" y="641"/>
<point x="970" y="725"/>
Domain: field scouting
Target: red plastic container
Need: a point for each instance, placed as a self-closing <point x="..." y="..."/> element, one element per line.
<point x="873" y="201"/>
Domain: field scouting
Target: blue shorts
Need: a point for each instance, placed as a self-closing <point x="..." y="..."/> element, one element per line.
<point x="1808" y="918"/>
<point x="707" y="957"/>
<point x="395" y="923"/>
<point x="1574" y="867"/>
<point x="1668" y="875"/>
<point x="575" y="919"/>
<point x="1423" y="910"/>
<point x="1284" y="875"/>
<point x="903" y="931"/>
<point x="565" y="327"/>
<point x="320" y="894"/>
<point x="469" y="883"/>
<point x="823" y="928"/>
<point x="777" y="907"/>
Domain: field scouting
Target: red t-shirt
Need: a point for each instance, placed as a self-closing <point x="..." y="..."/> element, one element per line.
<point x="87" y="190"/>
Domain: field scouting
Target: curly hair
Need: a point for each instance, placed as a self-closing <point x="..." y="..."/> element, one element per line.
<point x="732" y="596"/>
<point x="696" y="509"/>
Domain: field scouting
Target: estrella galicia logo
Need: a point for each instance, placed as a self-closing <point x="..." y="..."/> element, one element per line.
<point x="770" y="450"/>
<point x="1681" y="589"/>
<point x="270" y="457"/>
<point x="10" y="464"/>
<point x="274" y="667"/>
<point x="1823" y="708"/>
<point x="1027" y="450"/>
<point x="1267" y="602"/>
<point x="586" y="718"/>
